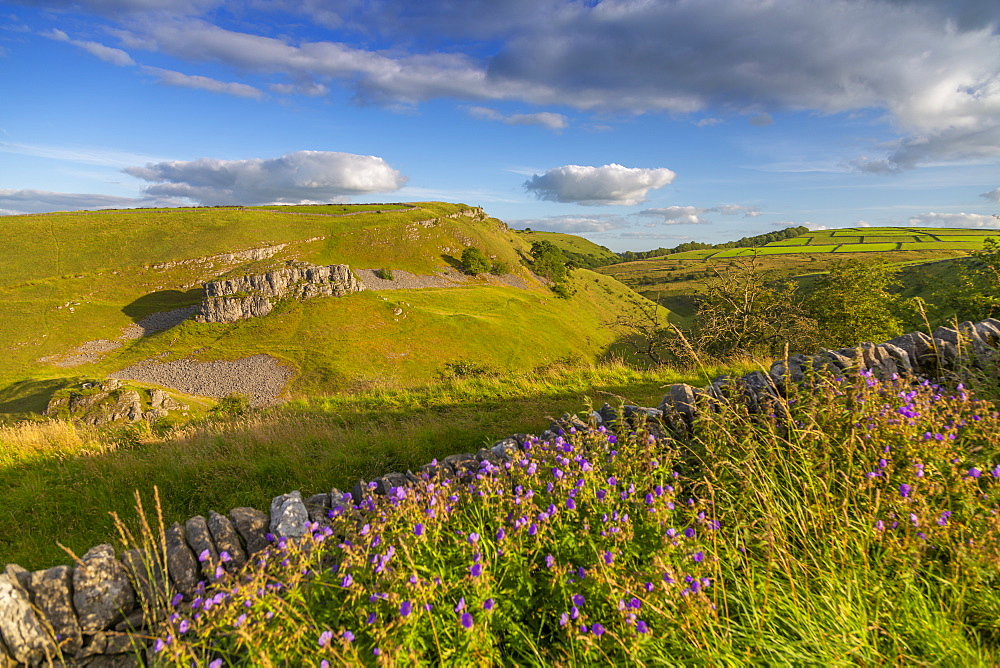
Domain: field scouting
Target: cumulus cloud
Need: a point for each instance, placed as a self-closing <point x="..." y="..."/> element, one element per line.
<point x="42" y="201"/>
<point x="572" y="224"/>
<point x="993" y="195"/>
<point x="953" y="220"/>
<point x="598" y="186"/>
<point x="302" y="176"/>
<point x="171" y="78"/>
<point x="106" y="53"/>
<point x="694" y="215"/>
<point x="546" y="119"/>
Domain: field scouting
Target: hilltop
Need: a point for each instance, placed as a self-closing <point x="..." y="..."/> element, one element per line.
<point x="88" y="294"/>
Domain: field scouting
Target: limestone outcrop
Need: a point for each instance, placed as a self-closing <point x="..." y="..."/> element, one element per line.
<point x="254" y="295"/>
<point x="100" y="403"/>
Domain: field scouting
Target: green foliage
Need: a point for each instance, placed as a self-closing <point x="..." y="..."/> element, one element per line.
<point x="562" y="290"/>
<point x="466" y="369"/>
<point x="974" y="294"/>
<point x="499" y="268"/>
<point x="385" y="274"/>
<point x="745" y="242"/>
<point x="744" y="313"/>
<point x="233" y="404"/>
<point x="853" y="303"/>
<point x="474" y="262"/>
<point x="549" y="261"/>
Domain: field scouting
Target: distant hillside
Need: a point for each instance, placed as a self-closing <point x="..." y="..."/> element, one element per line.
<point x="746" y="242"/>
<point x="581" y="252"/>
<point x="79" y="288"/>
<point x="677" y="278"/>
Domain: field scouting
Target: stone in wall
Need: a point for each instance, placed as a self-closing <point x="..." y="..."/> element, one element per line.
<point x="102" y="593"/>
<point x="254" y="295"/>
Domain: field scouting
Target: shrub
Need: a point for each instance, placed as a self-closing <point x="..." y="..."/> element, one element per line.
<point x="233" y="404"/>
<point x="474" y="262"/>
<point x="499" y="268"/>
<point x="385" y="274"/>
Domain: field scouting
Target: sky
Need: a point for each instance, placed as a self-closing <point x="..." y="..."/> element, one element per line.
<point x="634" y="123"/>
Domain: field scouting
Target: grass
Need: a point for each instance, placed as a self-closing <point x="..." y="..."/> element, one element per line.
<point x="858" y="529"/>
<point x="83" y="473"/>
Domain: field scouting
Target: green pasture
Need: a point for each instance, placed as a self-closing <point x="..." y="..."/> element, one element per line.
<point x="865" y="248"/>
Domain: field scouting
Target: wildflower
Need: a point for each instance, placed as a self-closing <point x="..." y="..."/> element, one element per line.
<point x="943" y="520"/>
<point x="204" y="555"/>
<point x="325" y="637"/>
<point x="418" y="530"/>
<point x="476" y="570"/>
<point x="689" y="532"/>
<point x="563" y="619"/>
<point x="974" y="472"/>
<point x="533" y="529"/>
<point x="184" y="626"/>
<point x="641" y="627"/>
<point x="612" y="481"/>
<point x="240" y="621"/>
<point x="473" y="538"/>
<point x="571" y="504"/>
<point x="405" y="608"/>
<point x="461" y="605"/>
<point x="488" y="604"/>
<point x="500" y="534"/>
<point x="549" y="561"/>
<point x="467" y="620"/>
<point x="608" y="557"/>
<point x="904" y="490"/>
<point x="698" y="557"/>
<point x="598" y="629"/>
<point x="215" y="663"/>
<point x="578" y="599"/>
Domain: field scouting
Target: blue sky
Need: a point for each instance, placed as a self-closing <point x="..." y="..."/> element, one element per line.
<point x="635" y="123"/>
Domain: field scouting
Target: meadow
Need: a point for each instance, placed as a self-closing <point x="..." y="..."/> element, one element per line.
<point x="855" y="523"/>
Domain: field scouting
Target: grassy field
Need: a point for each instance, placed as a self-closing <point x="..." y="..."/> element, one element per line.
<point x="63" y="288"/>
<point x="83" y="473"/>
<point x="676" y="279"/>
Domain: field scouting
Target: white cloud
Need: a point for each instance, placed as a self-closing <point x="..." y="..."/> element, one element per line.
<point x="42" y="201"/>
<point x="171" y="78"/>
<point x="572" y="224"/>
<point x="694" y="215"/>
<point x="303" y="176"/>
<point x="993" y="195"/>
<point x="106" y="53"/>
<point x="598" y="186"/>
<point x="708" y="122"/>
<point x="546" y="119"/>
<point x="972" y="220"/>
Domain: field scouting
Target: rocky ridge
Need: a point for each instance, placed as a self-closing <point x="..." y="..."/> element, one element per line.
<point x="254" y="295"/>
<point x="94" y="613"/>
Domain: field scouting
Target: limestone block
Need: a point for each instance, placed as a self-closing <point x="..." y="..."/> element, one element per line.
<point x="20" y="627"/>
<point x="199" y="538"/>
<point x="53" y="590"/>
<point x="252" y="525"/>
<point x="227" y="540"/>
<point x="182" y="566"/>
<point x="102" y="594"/>
<point x="288" y="515"/>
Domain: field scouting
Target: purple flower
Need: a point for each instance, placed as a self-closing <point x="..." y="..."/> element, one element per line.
<point x="974" y="472"/>
<point x="184" y="626"/>
<point x="571" y="504"/>
<point x="608" y="557"/>
<point x="204" y="555"/>
<point x="533" y="529"/>
<point x="473" y="538"/>
<point x="549" y="561"/>
<point x="563" y="619"/>
<point x="461" y="605"/>
<point x="418" y="530"/>
<point x="690" y="532"/>
<point x="612" y="481"/>
<point x="598" y="629"/>
<point x="467" y="620"/>
<point x="488" y="604"/>
<point x="405" y="608"/>
<point x="904" y="490"/>
<point x="601" y="493"/>
<point x="476" y="570"/>
<point x="325" y="637"/>
<point x="698" y="557"/>
<point x="215" y="663"/>
<point x="641" y="627"/>
<point x="578" y="599"/>
<point x="501" y="533"/>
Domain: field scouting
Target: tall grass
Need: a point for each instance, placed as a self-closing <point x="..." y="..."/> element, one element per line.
<point x="854" y="523"/>
<point x="59" y="481"/>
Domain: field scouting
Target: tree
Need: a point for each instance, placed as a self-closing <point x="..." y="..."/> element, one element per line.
<point x="647" y="330"/>
<point x="975" y="292"/>
<point x="744" y="313"/>
<point x="549" y="261"/>
<point x="474" y="262"/>
<point x="853" y="303"/>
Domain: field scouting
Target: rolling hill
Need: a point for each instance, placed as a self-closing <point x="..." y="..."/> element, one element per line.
<point x="78" y="284"/>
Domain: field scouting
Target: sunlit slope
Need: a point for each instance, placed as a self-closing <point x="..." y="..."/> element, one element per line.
<point x="81" y="277"/>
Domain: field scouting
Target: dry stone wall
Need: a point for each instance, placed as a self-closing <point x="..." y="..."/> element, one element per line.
<point x="94" y="613"/>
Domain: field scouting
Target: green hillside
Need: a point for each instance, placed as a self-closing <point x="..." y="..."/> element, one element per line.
<point x="582" y="252"/>
<point x="675" y="279"/>
<point x="85" y="277"/>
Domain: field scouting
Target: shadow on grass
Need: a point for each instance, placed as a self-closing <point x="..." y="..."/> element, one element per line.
<point x="29" y="396"/>
<point x="162" y="300"/>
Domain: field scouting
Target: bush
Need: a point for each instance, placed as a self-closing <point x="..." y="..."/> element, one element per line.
<point x="474" y="262"/>
<point x="499" y="268"/>
<point x="562" y="291"/>
<point x="385" y="274"/>
<point x="232" y="405"/>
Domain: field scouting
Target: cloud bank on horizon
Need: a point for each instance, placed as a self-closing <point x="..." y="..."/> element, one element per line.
<point x="898" y="85"/>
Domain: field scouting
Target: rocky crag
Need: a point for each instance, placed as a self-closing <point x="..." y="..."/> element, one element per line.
<point x="254" y="295"/>
<point x="100" y="403"/>
<point x="95" y="613"/>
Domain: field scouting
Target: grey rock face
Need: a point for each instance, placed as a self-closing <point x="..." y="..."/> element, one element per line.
<point x="21" y="629"/>
<point x="289" y="515"/>
<point x="318" y="505"/>
<point x="252" y="525"/>
<point x="253" y="295"/>
<point x="102" y="594"/>
<point x="181" y="563"/>
<point x="680" y="398"/>
<point x="53" y="589"/>
<point x="200" y="540"/>
<point x="227" y="540"/>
